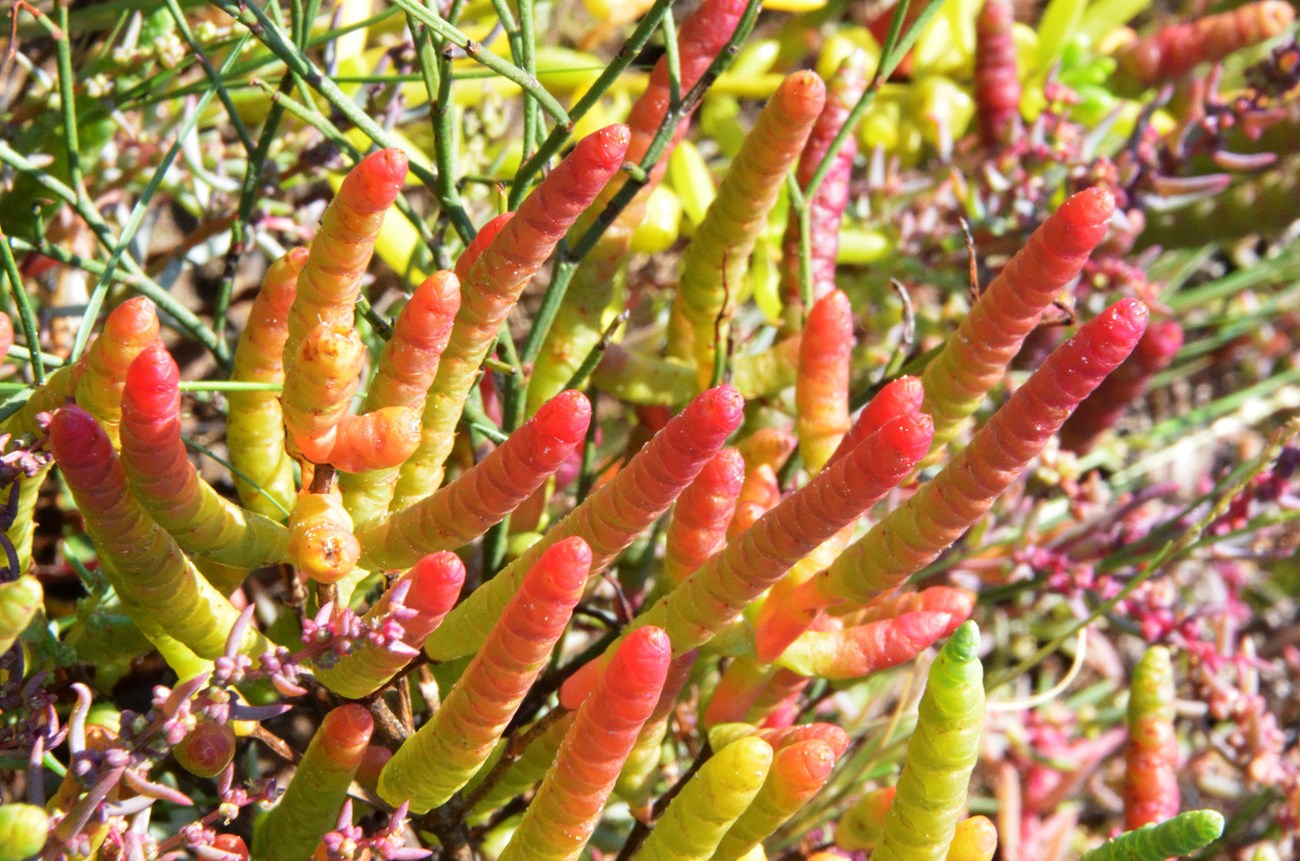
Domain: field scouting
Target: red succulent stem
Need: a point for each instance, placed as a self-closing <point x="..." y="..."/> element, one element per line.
<point x="450" y="748"/>
<point x="611" y="517"/>
<point x="997" y="84"/>
<point x="158" y="468"/>
<point x="822" y="388"/>
<point x="1175" y="50"/>
<point x="975" y="358"/>
<point x="861" y="650"/>
<point x="562" y="816"/>
<point x="470" y="505"/>
<point x="914" y="534"/>
<point x="1102" y="409"/>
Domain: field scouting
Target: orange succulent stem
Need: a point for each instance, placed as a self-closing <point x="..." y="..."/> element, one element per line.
<point x="759" y="493"/>
<point x="330" y="280"/>
<point x="430" y="590"/>
<point x="861" y="650"/>
<point x="447" y="751"/>
<point x="493" y="285"/>
<point x="975" y="358"/>
<point x="610" y="518"/>
<point x="159" y="471"/>
<point x="798" y="772"/>
<point x="825" y="209"/>
<point x="1151" y="793"/>
<point x="698" y="526"/>
<point x="464" y="509"/>
<point x="822" y="388"/>
<point x="564" y="813"/>
<point x="716" y="593"/>
<point x="255" y="423"/>
<point x="403" y="374"/>
<point x="956" y="602"/>
<point x="783" y="617"/>
<point x="835" y="497"/>
<point x="898" y="397"/>
<point x="914" y="534"/>
<point x="715" y="262"/>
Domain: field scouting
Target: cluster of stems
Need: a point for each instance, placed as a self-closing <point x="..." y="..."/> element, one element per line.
<point x="782" y="566"/>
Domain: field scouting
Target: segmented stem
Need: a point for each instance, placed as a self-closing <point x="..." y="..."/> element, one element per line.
<point x="254" y="423"/>
<point x="492" y="287"/>
<point x="714" y="264"/>
<point x="997" y="83"/>
<point x="565" y="810"/>
<point x="975" y="358"/>
<point x="403" y="374"/>
<point x="826" y="208"/>
<point x="700" y="816"/>
<point x="446" y="752"/>
<point x="310" y="806"/>
<point x="167" y="485"/>
<point x="431" y="589"/>
<point x="864" y="649"/>
<point x="611" y="517"/>
<point x="158" y="586"/>
<point x="798" y="772"/>
<point x="822" y="388"/>
<point x="698" y="527"/>
<point x="1177" y="49"/>
<point x="1185" y="833"/>
<point x="940" y="756"/>
<point x="1151" y="791"/>
<point x="470" y="505"/>
<point x="914" y="534"/>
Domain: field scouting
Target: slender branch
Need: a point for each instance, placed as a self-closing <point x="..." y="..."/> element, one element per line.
<point x="527" y="82"/>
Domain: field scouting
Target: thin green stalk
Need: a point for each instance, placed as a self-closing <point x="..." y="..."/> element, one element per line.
<point x="593" y="357"/>
<point x="893" y="51"/>
<point x="525" y="81"/>
<point x="178" y="15"/>
<point x="22" y="354"/>
<point x="435" y="71"/>
<point x="572" y="252"/>
<point x="253" y="17"/>
<point x="67" y="98"/>
<point x="139" y="281"/>
<point x="28" y="319"/>
<point x="136" y="216"/>
<point x="549" y="147"/>
<point x="673" y="61"/>
<point x="336" y="137"/>
<point x="528" y="58"/>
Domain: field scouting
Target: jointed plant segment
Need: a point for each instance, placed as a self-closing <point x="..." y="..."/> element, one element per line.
<point x="627" y="455"/>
